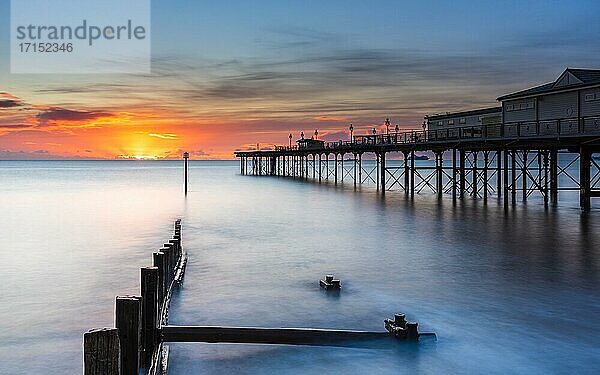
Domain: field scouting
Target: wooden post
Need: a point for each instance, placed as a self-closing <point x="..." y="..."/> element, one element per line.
<point x="320" y="167"/>
<point x="128" y="322"/>
<point x="546" y="178"/>
<point x="101" y="352"/>
<point x="360" y="168"/>
<point x="149" y="292"/>
<point x="186" y="156"/>
<point x="158" y="260"/>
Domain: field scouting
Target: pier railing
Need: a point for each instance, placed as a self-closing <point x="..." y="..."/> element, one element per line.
<point x="551" y="128"/>
<point x="135" y="342"/>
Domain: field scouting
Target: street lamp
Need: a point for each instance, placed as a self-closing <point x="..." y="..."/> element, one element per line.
<point x="374" y="131"/>
<point x="397" y="129"/>
<point x="316" y="134"/>
<point x="387" y="125"/>
<point x="290" y="137"/>
<point x="351" y="132"/>
<point x="302" y="135"/>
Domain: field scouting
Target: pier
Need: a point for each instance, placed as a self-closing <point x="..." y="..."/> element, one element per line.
<point x="509" y="152"/>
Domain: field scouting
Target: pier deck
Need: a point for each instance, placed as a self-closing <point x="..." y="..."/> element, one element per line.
<point x="486" y="160"/>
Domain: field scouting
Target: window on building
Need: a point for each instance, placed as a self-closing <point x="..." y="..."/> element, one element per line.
<point x="462" y="120"/>
<point x="450" y="122"/>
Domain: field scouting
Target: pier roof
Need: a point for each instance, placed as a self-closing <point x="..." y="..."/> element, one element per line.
<point x="569" y="79"/>
<point x="475" y="112"/>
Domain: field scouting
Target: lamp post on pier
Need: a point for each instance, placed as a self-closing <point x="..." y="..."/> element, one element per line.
<point x="290" y="137"/>
<point x="351" y="133"/>
<point x="387" y="125"/>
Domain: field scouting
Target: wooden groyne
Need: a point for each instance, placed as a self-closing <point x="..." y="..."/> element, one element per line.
<point x="135" y="342"/>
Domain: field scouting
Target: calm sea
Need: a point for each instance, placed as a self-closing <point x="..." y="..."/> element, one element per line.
<point x="505" y="293"/>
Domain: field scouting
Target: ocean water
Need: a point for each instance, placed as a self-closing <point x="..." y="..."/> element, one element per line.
<point x="514" y="292"/>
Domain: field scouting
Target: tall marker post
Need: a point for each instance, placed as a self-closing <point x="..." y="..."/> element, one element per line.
<point x="186" y="156"/>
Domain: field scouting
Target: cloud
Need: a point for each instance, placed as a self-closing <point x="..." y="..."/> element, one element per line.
<point x="330" y="118"/>
<point x="15" y="126"/>
<point x="63" y="114"/>
<point x="169" y="136"/>
<point x="8" y="103"/>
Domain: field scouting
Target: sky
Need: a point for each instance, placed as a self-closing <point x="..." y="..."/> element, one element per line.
<point x="236" y="75"/>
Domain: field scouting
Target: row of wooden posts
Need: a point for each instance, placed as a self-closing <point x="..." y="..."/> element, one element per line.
<point x="135" y="343"/>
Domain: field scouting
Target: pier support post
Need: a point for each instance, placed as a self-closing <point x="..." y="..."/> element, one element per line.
<point x="513" y="176"/>
<point x="320" y="167"/>
<point x="499" y="173"/>
<point x="462" y="174"/>
<point x="377" y="178"/>
<point x="546" y="178"/>
<point x="360" y="168"/>
<point x="186" y="156"/>
<point x="475" y="172"/>
<point x="584" y="178"/>
<point x="128" y="322"/>
<point x="486" y="157"/>
<point x="335" y="167"/>
<point x="406" y="176"/>
<point x="354" y="174"/>
<point x="439" y="173"/>
<point x="412" y="174"/>
<point x="554" y="176"/>
<point x="101" y="352"/>
<point x="454" y="174"/>
<point x="382" y="164"/>
<point x="505" y="179"/>
<point x="524" y="175"/>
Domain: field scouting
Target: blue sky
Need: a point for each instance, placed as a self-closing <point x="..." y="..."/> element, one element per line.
<point x="265" y="68"/>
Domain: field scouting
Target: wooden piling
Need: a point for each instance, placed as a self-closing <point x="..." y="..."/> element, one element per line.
<point x="128" y="322"/>
<point x="101" y="352"/>
<point x="149" y="292"/>
<point x="584" y="178"/>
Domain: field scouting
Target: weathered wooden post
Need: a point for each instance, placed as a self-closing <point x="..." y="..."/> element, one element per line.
<point x="128" y="322"/>
<point x="149" y="292"/>
<point x="101" y="353"/>
<point x="454" y="174"/>
<point x="505" y="179"/>
<point x="158" y="260"/>
<point x="584" y="178"/>
<point x="406" y="176"/>
<point x="186" y="156"/>
<point x="382" y="174"/>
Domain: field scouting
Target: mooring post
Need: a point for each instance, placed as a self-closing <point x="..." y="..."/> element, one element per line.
<point x="149" y="292"/>
<point x="186" y="156"/>
<point x="128" y="322"/>
<point x="101" y="352"/>
<point x="584" y="178"/>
